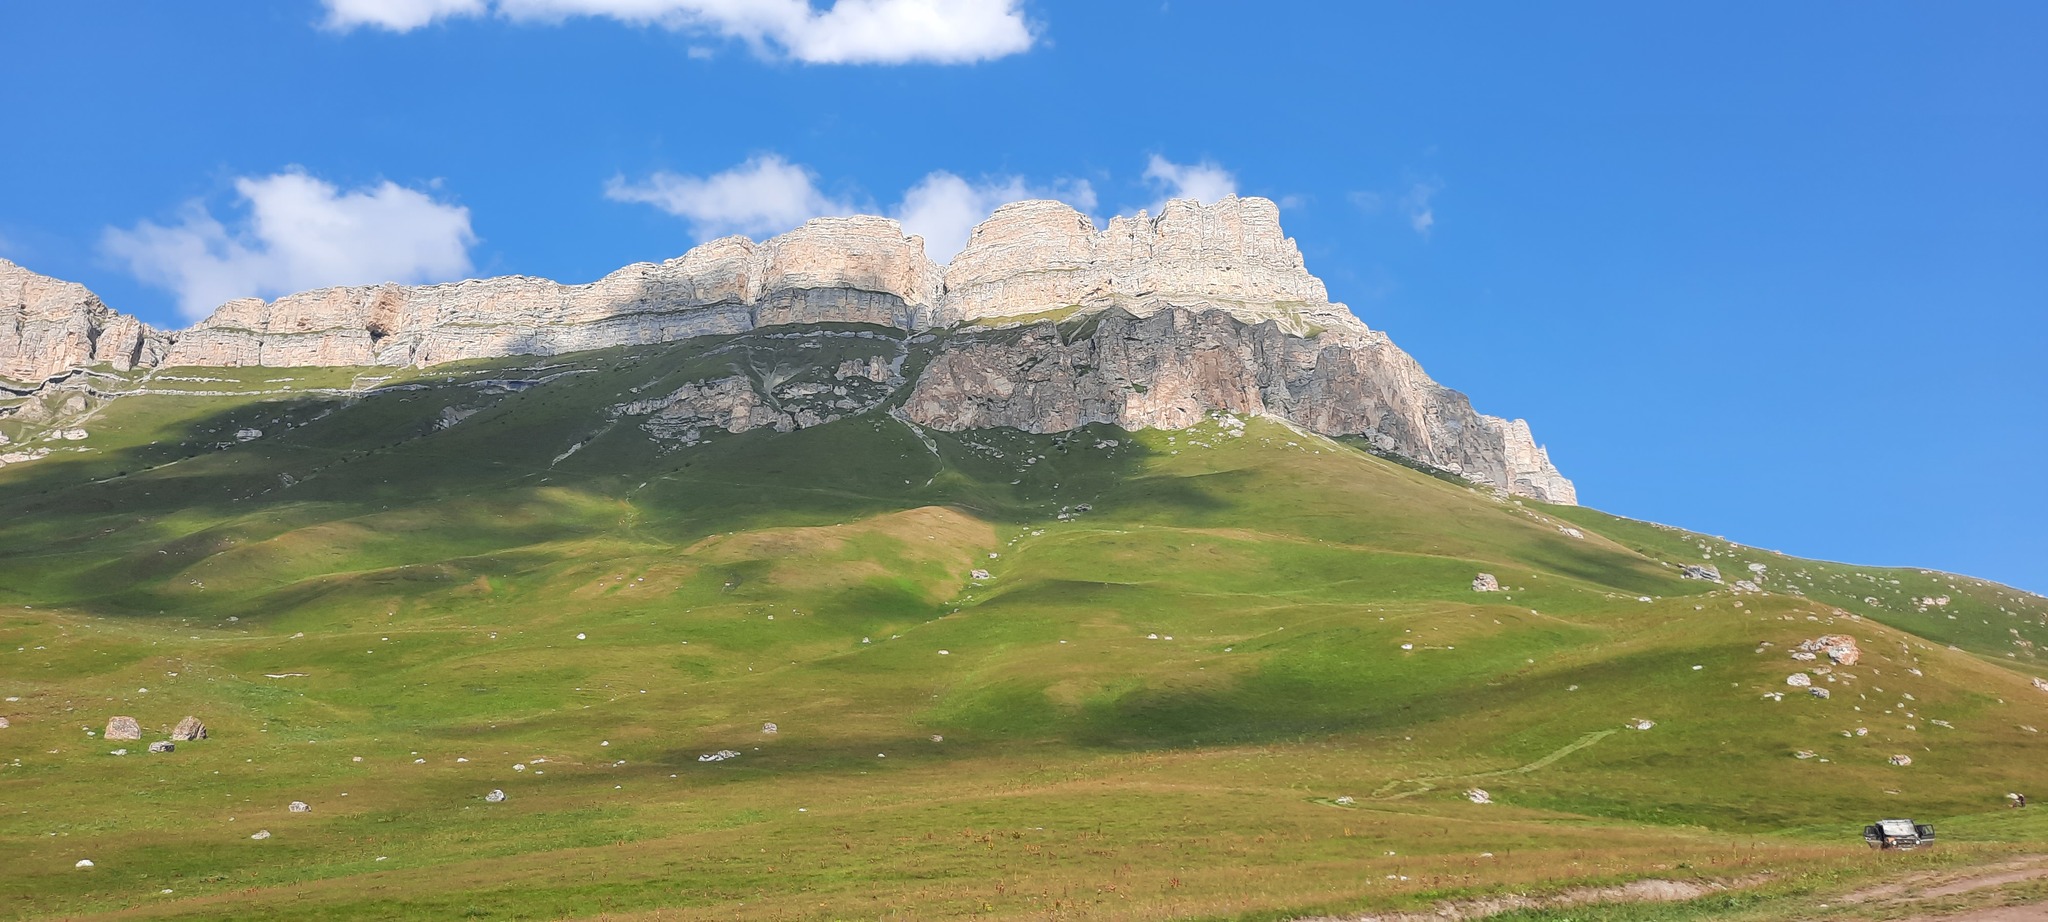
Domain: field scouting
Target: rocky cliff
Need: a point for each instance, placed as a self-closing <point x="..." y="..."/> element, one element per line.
<point x="1202" y="308"/>
<point x="48" y="327"/>
<point x="1172" y="366"/>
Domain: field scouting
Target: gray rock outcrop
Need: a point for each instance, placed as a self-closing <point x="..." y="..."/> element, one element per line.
<point x="1169" y="368"/>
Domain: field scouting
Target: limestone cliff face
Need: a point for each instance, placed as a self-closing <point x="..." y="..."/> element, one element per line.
<point x="48" y="327"/>
<point x="1170" y="367"/>
<point x="1031" y="257"/>
<point x="861" y="269"/>
<point x="1199" y="309"/>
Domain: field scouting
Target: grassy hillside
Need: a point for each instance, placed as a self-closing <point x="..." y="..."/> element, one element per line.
<point x="1233" y="670"/>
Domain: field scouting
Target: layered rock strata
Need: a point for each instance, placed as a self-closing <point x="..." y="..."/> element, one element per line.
<point x="1172" y="366"/>
<point x="1202" y="308"/>
<point x="860" y="270"/>
<point x="48" y="327"/>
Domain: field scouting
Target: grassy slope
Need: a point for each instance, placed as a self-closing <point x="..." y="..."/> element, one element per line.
<point x="430" y="584"/>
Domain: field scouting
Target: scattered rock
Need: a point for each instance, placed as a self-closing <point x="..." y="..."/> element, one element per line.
<point x="299" y="806"/>
<point x="495" y="797"/>
<point x="260" y="835"/>
<point x="248" y="435"/>
<point x="1479" y="796"/>
<point x="770" y="728"/>
<point x="123" y="728"/>
<point x="189" y="729"/>
<point x="1570" y="532"/>
<point x="2041" y="684"/>
<point x="1799" y="680"/>
<point x="1707" y="572"/>
<point x="936" y="738"/>
<point x="1803" y="754"/>
<point x="1346" y="800"/>
<point x="1841" y="649"/>
<point x="1902" y="759"/>
<point x="163" y="746"/>
<point x="119" y="752"/>
<point x="1820" y="693"/>
<point x="1641" y="724"/>
<point x="3" y="723"/>
<point x="83" y="863"/>
<point x="979" y="574"/>
<point x="719" y="756"/>
<point x="1485" y="582"/>
<point x="1747" y="586"/>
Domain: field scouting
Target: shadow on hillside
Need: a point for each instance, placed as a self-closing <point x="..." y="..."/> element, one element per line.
<point x="118" y="530"/>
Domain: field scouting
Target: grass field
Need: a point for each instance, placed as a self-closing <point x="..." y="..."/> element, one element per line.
<point x="1249" y="680"/>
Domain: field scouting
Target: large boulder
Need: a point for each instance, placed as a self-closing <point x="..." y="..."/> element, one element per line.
<point x="189" y="729"/>
<point x="123" y="728"/>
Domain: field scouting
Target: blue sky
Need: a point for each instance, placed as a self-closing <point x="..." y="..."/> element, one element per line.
<point x="1772" y="271"/>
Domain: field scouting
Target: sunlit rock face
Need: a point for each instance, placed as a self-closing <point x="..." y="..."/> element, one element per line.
<point x="48" y="327"/>
<point x="1202" y="308"/>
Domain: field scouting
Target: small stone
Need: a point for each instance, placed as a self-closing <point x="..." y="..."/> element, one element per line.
<point x="1479" y="796"/>
<point x="260" y="835"/>
<point x="83" y="863"/>
<point x="1485" y="582"/>
<point x="770" y="728"/>
<point x="1641" y="724"/>
<point x="299" y="806"/>
<point x="1346" y="800"/>
<point x="1799" y="680"/>
<point x="1820" y="693"/>
<point x="495" y="797"/>
<point x="163" y="746"/>
<point x="123" y="728"/>
<point x="1803" y="754"/>
<point x="1902" y="759"/>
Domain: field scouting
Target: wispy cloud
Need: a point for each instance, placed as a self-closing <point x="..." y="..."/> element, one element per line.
<point x="764" y="195"/>
<point x="1421" y="213"/>
<point x="1203" y="181"/>
<point x="943" y="208"/>
<point x="768" y="194"/>
<point x="300" y="232"/>
<point x="846" y="32"/>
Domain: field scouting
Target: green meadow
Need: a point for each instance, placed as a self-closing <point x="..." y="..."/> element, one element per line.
<point x="1235" y="671"/>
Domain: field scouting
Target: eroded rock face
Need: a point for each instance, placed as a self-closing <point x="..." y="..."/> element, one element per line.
<point x="1167" y="370"/>
<point x="1037" y="256"/>
<point x="1200" y="309"/>
<point x="855" y="270"/>
<point x="48" y="327"/>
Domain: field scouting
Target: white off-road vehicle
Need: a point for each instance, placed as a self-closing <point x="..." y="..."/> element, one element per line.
<point x="1900" y="834"/>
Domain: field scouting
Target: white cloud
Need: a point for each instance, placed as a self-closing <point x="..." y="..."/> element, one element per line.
<point x="943" y="208"/>
<point x="768" y="195"/>
<point x="1204" y="181"/>
<point x="397" y="15"/>
<point x="846" y="32"/>
<point x="1421" y="214"/>
<point x="764" y="195"/>
<point x="301" y="233"/>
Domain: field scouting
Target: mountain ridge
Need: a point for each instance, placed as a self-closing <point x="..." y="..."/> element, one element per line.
<point x="1249" y="329"/>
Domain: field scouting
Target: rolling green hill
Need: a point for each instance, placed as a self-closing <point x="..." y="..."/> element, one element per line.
<point x="1233" y="670"/>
